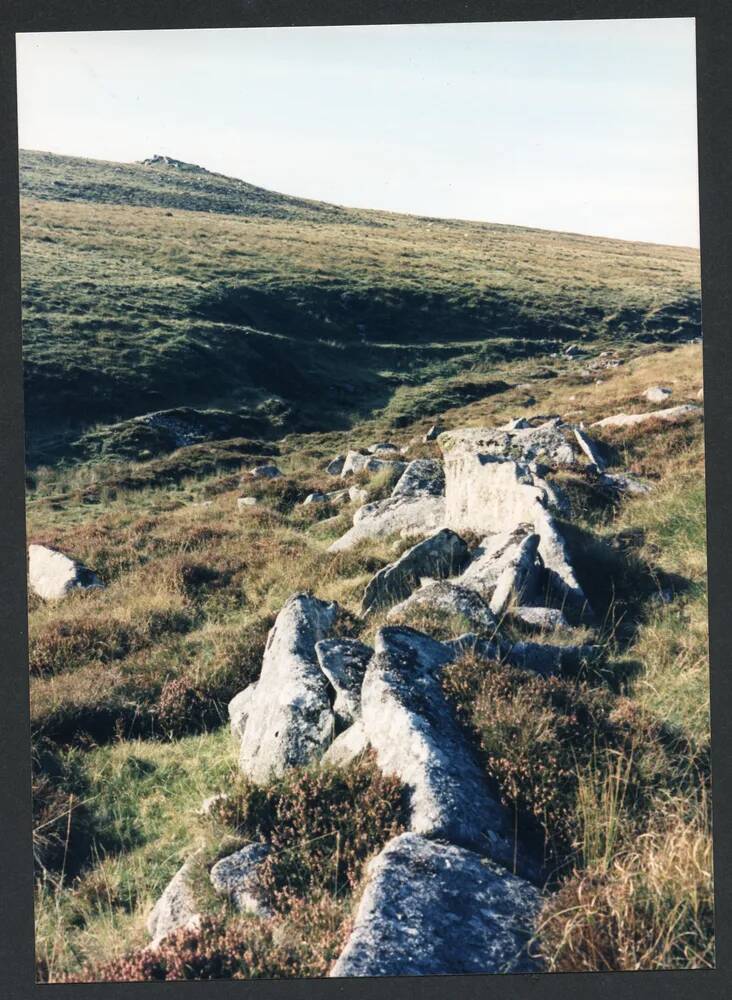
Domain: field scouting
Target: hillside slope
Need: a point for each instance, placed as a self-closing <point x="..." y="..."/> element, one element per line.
<point x="148" y="287"/>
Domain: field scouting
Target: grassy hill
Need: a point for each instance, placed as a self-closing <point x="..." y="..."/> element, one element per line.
<point x="149" y="287"/>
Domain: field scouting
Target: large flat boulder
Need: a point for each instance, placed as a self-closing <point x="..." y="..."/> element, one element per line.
<point x="551" y="442"/>
<point x="290" y="720"/>
<point x="441" y="555"/>
<point x="412" y="728"/>
<point x="437" y="909"/>
<point x="52" y="575"/>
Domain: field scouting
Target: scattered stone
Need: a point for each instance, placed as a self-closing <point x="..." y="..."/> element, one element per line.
<point x="344" y="662"/>
<point x="265" y="472"/>
<point x="542" y="619"/>
<point x="243" y="502"/>
<point x="334" y="497"/>
<point x="623" y="483"/>
<point x="335" y="466"/>
<point x="236" y="876"/>
<point x="447" y="598"/>
<point x="357" y="495"/>
<point x="415" y="735"/>
<point x="312" y="498"/>
<point x="442" y="554"/>
<point x="433" y="433"/>
<point x="346" y="747"/>
<point x="539" y="657"/>
<point x="590" y="449"/>
<point x="52" y="575"/>
<point x="657" y="394"/>
<point x="436" y="909"/>
<point x="672" y="414"/>
<point x="239" y="708"/>
<point x="209" y="805"/>
<point x="381" y="446"/>
<point x="290" y="720"/>
<point x="176" y="908"/>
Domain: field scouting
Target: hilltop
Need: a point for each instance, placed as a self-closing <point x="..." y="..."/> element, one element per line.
<point x="151" y="287"/>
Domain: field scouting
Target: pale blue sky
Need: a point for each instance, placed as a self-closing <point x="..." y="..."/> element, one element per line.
<point x="582" y="126"/>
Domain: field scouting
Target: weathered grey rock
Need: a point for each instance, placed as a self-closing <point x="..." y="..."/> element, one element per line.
<point x="671" y="415"/>
<point x="357" y="495"/>
<point x="422" y="477"/>
<point x="243" y="502"/>
<point x="545" y="658"/>
<point x="657" y="394"/>
<point x="551" y="441"/>
<point x="491" y="494"/>
<point x="177" y="907"/>
<point x="416" y="507"/>
<point x="52" y="575"/>
<point x="518" y="579"/>
<point x="444" y="598"/>
<point x="334" y="497"/>
<point x="542" y="619"/>
<point x="313" y="498"/>
<point x="351" y="743"/>
<point x="441" y="555"/>
<point x="239" y="708"/>
<point x="491" y="557"/>
<point x="412" y="728"/>
<point x="539" y="657"/>
<point x="236" y="877"/>
<point x="335" y="466"/>
<point x="382" y="446"/>
<point x="590" y="449"/>
<point x="403" y="515"/>
<point x="436" y="909"/>
<point x="344" y="662"/>
<point x="433" y="433"/>
<point x="265" y="472"/>
<point x="290" y="720"/>
<point x="356" y="462"/>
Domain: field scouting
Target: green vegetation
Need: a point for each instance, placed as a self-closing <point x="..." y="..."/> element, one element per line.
<point x="303" y="330"/>
<point x="291" y="314"/>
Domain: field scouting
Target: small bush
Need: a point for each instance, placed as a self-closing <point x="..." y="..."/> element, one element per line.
<point x="538" y="736"/>
<point x="304" y="946"/>
<point x="323" y="824"/>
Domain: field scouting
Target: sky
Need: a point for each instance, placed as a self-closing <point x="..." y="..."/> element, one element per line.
<point x="577" y="126"/>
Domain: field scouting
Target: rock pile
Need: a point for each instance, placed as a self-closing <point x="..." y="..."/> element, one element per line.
<point x="458" y="883"/>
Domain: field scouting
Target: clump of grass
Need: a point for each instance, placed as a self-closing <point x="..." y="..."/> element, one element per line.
<point x="646" y="903"/>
